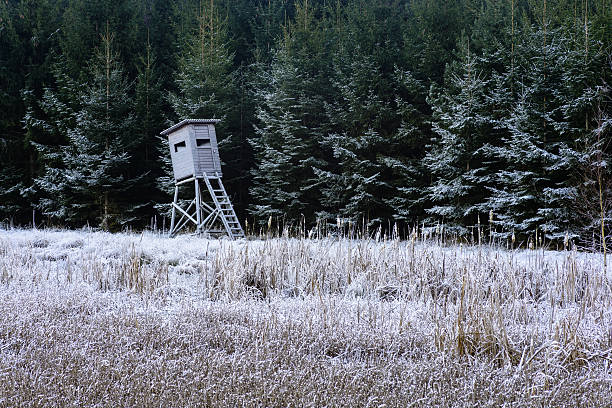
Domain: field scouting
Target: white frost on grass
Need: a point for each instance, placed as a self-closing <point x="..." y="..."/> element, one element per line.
<point x="295" y="322"/>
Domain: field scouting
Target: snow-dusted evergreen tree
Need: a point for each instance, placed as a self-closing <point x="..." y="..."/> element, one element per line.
<point x="47" y="122"/>
<point x="457" y="160"/>
<point x="87" y="179"/>
<point x="375" y="126"/>
<point x="535" y="187"/>
<point x="353" y="185"/>
<point x="12" y="185"/>
<point x="517" y="195"/>
<point x="292" y="121"/>
<point x="587" y="107"/>
<point x="593" y="201"/>
<point x="204" y="79"/>
<point x="405" y="148"/>
<point x="206" y="88"/>
<point x="147" y="147"/>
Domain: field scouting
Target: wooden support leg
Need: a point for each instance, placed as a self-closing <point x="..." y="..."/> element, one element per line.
<point x="198" y="198"/>
<point x="174" y="210"/>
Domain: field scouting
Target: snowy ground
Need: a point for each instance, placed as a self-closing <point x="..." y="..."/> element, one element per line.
<point x="96" y="319"/>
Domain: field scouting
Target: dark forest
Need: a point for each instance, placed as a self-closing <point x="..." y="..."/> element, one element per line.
<point x="382" y="112"/>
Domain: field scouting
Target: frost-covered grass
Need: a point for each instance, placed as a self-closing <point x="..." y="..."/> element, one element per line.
<point x="95" y="319"/>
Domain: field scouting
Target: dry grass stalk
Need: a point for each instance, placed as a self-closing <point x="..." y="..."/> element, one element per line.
<point x="298" y="322"/>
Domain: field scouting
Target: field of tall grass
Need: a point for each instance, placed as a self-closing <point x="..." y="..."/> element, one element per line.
<point x="97" y="319"/>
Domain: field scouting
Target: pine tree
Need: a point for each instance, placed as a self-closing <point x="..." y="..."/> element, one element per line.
<point x="205" y="82"/>
<point x="146" y="145"/>
<point x="457" y="160"/>
<point x="292" y="121"/>
<point x="87" y="178"/>
<point x="404" y="151"/>
<point x="534" y="189"/>
<point x="207" y="88"/>
<point x="375" y="138"/>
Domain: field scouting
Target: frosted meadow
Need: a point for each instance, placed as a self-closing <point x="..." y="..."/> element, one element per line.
<point x="98" y="319"/>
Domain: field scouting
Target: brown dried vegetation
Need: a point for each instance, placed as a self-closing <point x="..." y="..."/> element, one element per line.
<point x="118" y="321"/>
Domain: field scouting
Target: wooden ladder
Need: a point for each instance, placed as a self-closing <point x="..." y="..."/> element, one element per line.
<point x="224" y="206"/>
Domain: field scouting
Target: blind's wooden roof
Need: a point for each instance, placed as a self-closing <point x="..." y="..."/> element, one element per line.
<point x="186" y="122"/>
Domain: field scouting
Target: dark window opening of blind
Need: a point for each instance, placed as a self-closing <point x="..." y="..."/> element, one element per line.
<point x="179" y="146"/>
<point x="203" y="142"/>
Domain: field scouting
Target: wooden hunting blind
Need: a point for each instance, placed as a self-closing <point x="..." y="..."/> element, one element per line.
<point x="195" y="158"/>
<point x="193" y="148"/>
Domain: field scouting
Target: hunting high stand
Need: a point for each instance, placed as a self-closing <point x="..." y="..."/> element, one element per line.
<point x="195" y="158"/>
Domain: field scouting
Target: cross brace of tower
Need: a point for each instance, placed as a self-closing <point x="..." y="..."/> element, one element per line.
<point x="206" y="215"/>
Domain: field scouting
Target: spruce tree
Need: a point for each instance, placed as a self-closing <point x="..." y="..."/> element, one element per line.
<point x="48" y="122"/>
<point x="204" y="81"/>
<point x="585" y="104"/>
<point x="376" y="127"/>
<point x="534" y="189"/>
<point x="592" y="203"/>
<point x="28" y="36"/>
<point x="146" y="145"/>
<point x="353" y="186"/>
<point x="207" y="88"/>
<point x="517" y="194"/>
<point x="457" y="160"/>
<point x="292" y="121"/>
<point x="404" y="150"/>
<point x="86" y="180"/>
